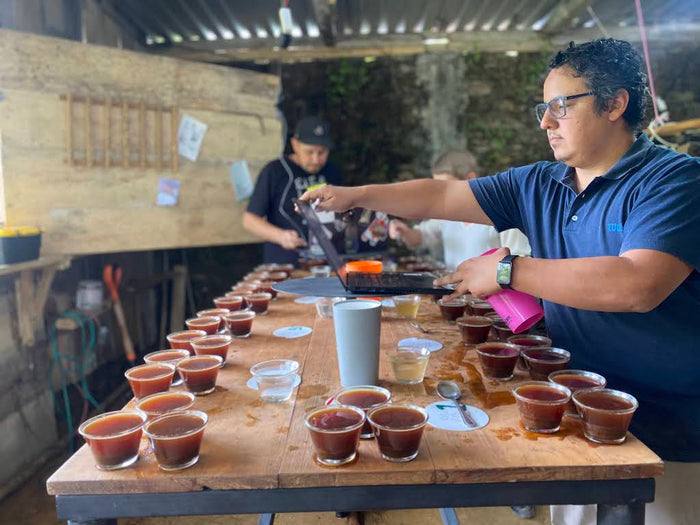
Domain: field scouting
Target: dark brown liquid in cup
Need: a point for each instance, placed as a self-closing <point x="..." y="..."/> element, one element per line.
<point x="239" y="327"/>
<point x="540" y="416"/>
<point x="527" y="342"/>
<point x="364" y="399"/>
<point x="115" y="450"/>
<point x="266" y="287"/>
<point x="165" y="403"/>
<point x="498" y="363"/>
<point x="184" y="341"/>
<point x="336" y="445"/>
<point x="218" y="346"/>
<point x="258" y="304"/>
<point x="605" y="426"/>
<point x="200" y="376"/>
<point x="393" y="442"/>
<point x="542" y="363"/>
<point x="149" y="380"/>
<point x="172" y="451"/>
<point x="229" y="303"/>
<point x="481" y="308"/>
<point x="575" y="382"/>
<point x="210" y="327"/>
<point x="502" y="331"/>
<point x="475" y="332"/>
<point x="452" y="312"/>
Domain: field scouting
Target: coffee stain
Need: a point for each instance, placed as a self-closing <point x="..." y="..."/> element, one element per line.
<point x="475" y="384"/>
<point x="455" y="354"/>
<point x="292" y="448"/>
<point x="283" y="430"/>
<point x="449" y="375"/>
<point x="256" y="403"/>
<point x="506" y="433"/>
<point x="308" y="391"/>
<point x="253" y="420"/>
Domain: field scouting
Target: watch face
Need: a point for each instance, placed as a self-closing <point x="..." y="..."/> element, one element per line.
<point x="503" y="273"/>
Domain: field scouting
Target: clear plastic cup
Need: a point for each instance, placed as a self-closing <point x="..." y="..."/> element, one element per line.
<point x="541" y="405"/>
<point x="162" y="403"/>
<point x="171" y="356"/>
<point x="399" y="430"/>
<point x="335" y="433"/>
<point x="114" y="438"/>
<point x="320" y="271"/>
<point x="176" y="438"/>
<point x="324" y="305"/>
<point x="218" y="344"/>
<point x="606" y="414"/>
<point x="407" y="305"/>
<point x="275" y="379"/>
<point x="409" y="364"/>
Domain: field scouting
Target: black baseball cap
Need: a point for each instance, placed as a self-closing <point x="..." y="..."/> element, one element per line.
<point x="314" y="130"/>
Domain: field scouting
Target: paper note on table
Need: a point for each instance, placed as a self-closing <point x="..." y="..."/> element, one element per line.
<point x="168" y="192"/>
<point x="240" y="178"/>
<point x="189" y="137"/>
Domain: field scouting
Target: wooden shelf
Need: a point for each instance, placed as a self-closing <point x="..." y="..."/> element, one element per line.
<point x="30" y="295"/>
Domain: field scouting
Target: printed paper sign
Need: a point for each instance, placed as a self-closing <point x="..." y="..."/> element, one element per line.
<point x="240" y="179"/>
<point x="189" y="137"/>
<point x="168" y="192"/>
<point x="292" y="332"/>
<point x="444" y="415"/>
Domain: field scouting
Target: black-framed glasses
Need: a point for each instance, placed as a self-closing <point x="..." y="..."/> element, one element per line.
<point x="557" y="106"/>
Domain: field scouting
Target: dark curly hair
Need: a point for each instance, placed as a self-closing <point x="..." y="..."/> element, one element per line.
<point x="607" y="65"/>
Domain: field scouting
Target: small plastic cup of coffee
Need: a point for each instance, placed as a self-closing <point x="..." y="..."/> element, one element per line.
<point x="114" y="438"/>
<point x="407" y="305"/>
<point x="218" y="344"/>
<point x="239" y="324"/>
<point x="259" y="302"/>
<point x="453" y="309"/>
<point x="163" y="403"/>
<point x="275" y="379"/>
<point x="210" y="324"/>
<point x="543" y="361"/>
<point x="172" y="356"/>
<point x="606" y="414"/>
<point x="408" y="364"/>
<point x="528" y="341"/>
<point x="479" y="307"/>
<point x="230" y="303"/>
<point x="365" y="397"/>
<point x="398" y="429"/>
<point x="474" y="329"/>
<point x="498" y="359"/>
<point x="541" y="405"/>
<point x="183" y="339"/>
<point x="199" y="373"/>
<point x="149" y="379"/>
<point x="576" y="380"/>
<point x="214" y="312"/>
<point x="176" y="438"/>
<point x="335" y="433"/>
<point x="279" y="276"/>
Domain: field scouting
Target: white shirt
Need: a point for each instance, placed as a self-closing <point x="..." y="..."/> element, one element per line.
<point x="454" y="242"/>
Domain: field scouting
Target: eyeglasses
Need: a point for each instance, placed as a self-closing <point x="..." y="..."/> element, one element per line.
<point x="557" y="106"/>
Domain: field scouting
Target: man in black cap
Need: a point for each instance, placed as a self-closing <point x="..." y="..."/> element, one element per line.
<point x="270" y="212"/>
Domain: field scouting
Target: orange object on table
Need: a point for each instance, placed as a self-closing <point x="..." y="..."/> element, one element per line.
<point x="366" y="267"/>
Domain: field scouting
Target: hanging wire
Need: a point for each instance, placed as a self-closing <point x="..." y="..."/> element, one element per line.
<point x="645" y="46"/>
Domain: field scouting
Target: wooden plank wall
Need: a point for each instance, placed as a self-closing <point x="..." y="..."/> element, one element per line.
<point x="100" y="209"/>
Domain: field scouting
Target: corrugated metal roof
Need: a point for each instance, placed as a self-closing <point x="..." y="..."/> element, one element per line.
<point x="229" y="24"/>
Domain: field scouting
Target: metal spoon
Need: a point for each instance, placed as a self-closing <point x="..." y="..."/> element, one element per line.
<point x="418" y="327"/>
<point x="449" y="390"/>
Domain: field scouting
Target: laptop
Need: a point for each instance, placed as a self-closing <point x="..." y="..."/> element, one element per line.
<point x="385" y="283"/>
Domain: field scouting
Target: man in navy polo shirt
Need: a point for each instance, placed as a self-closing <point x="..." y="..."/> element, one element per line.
<point x="614" y="226"/>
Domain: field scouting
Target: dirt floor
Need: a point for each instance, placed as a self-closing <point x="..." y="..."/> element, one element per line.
<point x="30" y="505"/>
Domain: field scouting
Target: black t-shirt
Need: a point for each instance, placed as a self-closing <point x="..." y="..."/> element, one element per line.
<point x="273" y="198"/>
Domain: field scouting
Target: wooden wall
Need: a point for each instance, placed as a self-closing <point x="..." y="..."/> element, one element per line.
<point x="98" y="209"/>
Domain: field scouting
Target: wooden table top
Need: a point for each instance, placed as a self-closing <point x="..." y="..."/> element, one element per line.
<point x="249" y="444"/>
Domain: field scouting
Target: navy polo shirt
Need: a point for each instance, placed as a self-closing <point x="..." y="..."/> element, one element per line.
<point x="650" y="199"/>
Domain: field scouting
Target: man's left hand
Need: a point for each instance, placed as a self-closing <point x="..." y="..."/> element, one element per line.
<point x="476" y="276"/>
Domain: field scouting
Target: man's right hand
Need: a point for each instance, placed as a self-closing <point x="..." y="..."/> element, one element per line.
<point x="290" y="240"/>
<point x="333" y="198"/>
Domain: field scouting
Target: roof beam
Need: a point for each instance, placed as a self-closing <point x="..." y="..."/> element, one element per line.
<point x="326" y="16"/>
<point x="562" y="14"/>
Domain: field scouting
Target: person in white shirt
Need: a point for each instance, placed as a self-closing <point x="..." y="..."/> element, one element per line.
<point x="452" y="241"/>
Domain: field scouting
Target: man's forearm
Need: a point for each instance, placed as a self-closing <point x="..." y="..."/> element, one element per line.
<point x="606" y="284"/>
<point x="423" y="199"/>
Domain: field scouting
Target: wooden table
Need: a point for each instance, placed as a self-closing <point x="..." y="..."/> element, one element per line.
<point x="257" y="457"/>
